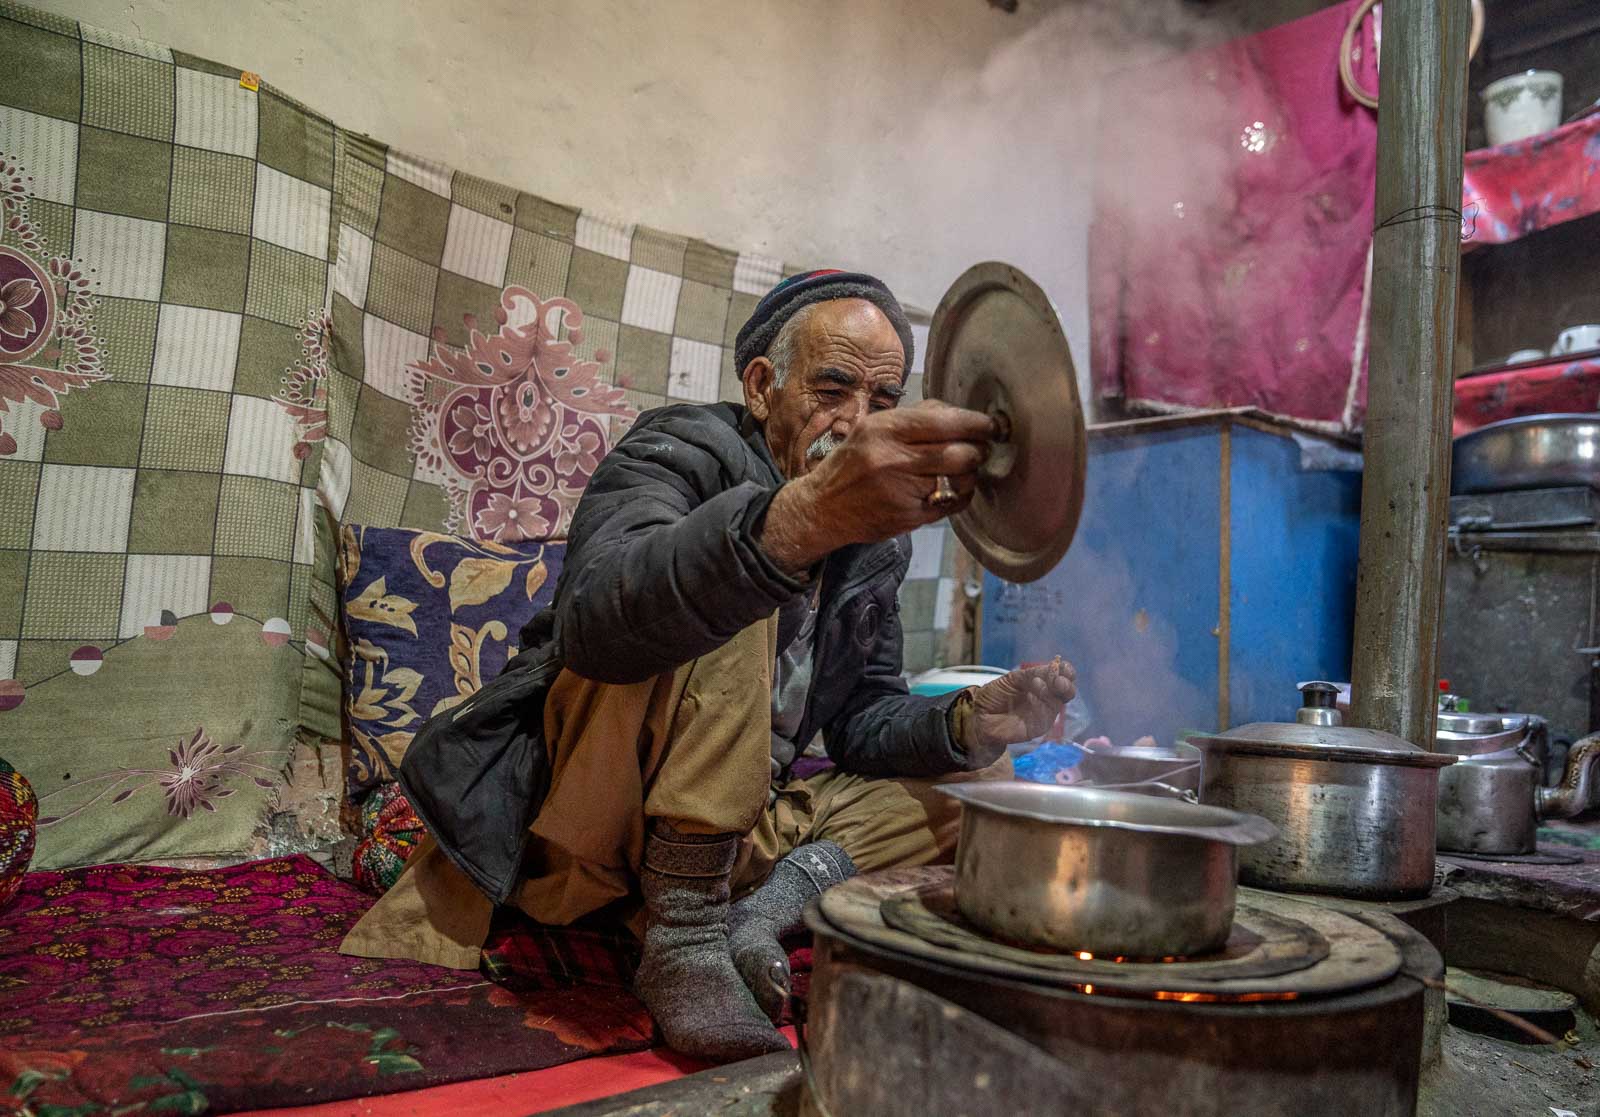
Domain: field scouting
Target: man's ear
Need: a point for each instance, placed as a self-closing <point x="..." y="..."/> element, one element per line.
<point x="759" y="376"/>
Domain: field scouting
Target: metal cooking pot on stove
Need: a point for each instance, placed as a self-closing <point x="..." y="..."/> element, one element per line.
<point x="1108" y="872"/>
<point x="1354" y="808"/>
<point x="1492" y="800"/>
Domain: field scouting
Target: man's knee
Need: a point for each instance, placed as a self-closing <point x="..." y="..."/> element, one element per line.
<point x="895" y="823"/>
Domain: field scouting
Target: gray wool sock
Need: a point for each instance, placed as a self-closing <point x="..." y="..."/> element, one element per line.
<point x="686" y="976"/>
<point x="758" y="921"/>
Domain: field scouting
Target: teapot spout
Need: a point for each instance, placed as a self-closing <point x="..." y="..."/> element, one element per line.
<point x="1579" y="784"/>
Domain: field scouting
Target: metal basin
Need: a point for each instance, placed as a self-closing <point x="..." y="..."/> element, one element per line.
<point x="1533" y="452"/>
<point x="1110" y="873"/>
<point x="1149" y="771"/>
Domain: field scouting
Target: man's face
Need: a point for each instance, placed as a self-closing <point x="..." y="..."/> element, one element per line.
<point x="848" y="361"/>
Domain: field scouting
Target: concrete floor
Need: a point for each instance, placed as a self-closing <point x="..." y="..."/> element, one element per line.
<point x="1484" y="1077"/>
<point x="1478" y="1077"/>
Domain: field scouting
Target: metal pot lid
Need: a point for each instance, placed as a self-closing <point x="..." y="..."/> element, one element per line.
<point x="996" y="345"/>
<point x="1063" y="805"/>
<point x="1321" y="742"/>
<point x="1480" y="725"/>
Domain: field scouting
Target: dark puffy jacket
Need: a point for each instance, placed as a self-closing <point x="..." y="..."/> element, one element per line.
<point x="661" y="567"/>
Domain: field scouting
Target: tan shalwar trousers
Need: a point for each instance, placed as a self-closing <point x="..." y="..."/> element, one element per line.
<point x="692" y="746"/>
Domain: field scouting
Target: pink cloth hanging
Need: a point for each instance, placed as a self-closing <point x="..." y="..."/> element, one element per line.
<point x="1233" y="217"/>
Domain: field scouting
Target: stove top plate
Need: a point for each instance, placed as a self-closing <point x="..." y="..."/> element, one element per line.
<point x="1281" y="948"/>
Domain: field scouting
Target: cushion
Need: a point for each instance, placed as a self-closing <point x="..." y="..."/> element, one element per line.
<point x="19" y="826"/>
<point x="427" y="619"/>
<point x="390" y="832"/>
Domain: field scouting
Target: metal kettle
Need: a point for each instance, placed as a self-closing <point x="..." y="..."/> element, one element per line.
<point x="1491" y="800"/>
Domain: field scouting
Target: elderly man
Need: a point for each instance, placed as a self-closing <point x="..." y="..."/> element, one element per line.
<point x="729" y="593"/>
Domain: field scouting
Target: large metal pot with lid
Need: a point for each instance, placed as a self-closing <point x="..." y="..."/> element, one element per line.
<point x="1354" y="807"/>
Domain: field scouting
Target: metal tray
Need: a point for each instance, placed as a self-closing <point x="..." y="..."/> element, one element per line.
<point x="1533" y="452"/>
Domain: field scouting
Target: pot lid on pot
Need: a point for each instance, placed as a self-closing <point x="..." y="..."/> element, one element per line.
<point x="1317" y="733"/>
<point x="1321" y="742"/>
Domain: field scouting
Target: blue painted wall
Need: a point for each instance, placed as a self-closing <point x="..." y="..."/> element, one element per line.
<point x="1134" y="604"/>
<point x="1294" y="575"/>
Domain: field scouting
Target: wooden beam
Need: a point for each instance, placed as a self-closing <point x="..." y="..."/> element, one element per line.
<point x="1416" y="260"/>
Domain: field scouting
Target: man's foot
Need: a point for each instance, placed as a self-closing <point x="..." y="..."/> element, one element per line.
<point x="758" y="921"/>
<point x="686" y="977"/>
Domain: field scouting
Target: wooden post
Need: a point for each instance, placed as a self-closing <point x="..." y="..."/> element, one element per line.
<point x="1416" y="258"/>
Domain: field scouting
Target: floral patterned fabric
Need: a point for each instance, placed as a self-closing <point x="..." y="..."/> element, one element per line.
<point x="516" y="445"/>
<point x="164" y="251"/>
<point x="19" y="817"/>
<point x="1519" y="188"/>
<point x="1561" y="386"/>
<point x="138" y="990"/>
<point x="427" y="619"/>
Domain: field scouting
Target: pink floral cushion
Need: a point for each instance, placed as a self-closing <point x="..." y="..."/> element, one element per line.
<point x="19" y="817"/>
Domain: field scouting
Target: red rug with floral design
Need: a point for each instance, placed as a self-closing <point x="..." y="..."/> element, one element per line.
<point x="131" y="989"/>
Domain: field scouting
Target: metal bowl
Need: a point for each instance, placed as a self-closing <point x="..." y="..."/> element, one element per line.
<point x="1149" y="771"/>
<point x="1108" y="873"/>
<point x="1533" y="452"/>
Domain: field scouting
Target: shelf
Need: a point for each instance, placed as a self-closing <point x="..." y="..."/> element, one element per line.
<point x="1581" y="357"/>
<point x="1571" y="384"/>
<point x="1516" y="189"/>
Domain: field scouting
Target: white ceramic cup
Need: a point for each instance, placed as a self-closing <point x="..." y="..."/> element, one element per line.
<point x="1522" y="105"/>
<point x="1524" y="355"/>
<point x="1577" y="339"/>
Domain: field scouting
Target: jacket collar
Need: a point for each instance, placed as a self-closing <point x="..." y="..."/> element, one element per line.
<point x="756" y="438"/>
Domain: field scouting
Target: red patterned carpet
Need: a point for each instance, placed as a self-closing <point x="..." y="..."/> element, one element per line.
<point x="131" y="989"/>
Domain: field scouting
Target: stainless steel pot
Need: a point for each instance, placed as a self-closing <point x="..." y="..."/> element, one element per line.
<point x="1492" y="803"/>
<point x="1110" y="873"/>
<point x="1531" y="452"/>
<point x="1354" y="808"/>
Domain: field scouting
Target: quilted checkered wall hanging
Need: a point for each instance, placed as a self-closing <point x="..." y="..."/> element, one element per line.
<point x="228" y="325"/>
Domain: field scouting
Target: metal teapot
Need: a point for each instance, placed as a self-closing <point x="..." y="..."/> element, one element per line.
<point x="1491" y="800"/>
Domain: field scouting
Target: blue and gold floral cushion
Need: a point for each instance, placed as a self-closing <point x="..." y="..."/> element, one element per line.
<point x="428" y="619"/>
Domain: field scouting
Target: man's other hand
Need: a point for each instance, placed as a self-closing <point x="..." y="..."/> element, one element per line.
<point x="1018" y="706"/>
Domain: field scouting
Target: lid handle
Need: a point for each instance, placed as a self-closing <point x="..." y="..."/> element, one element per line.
<point x="1318" y="704"/>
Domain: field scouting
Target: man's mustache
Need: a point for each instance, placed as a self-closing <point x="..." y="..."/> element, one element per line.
<point x="827" y="442"/>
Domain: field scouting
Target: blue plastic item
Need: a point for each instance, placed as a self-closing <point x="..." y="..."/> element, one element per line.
<point x="1047" y="763"/>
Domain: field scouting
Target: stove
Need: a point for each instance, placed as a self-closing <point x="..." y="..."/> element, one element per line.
<point x="913" y="1010"/>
